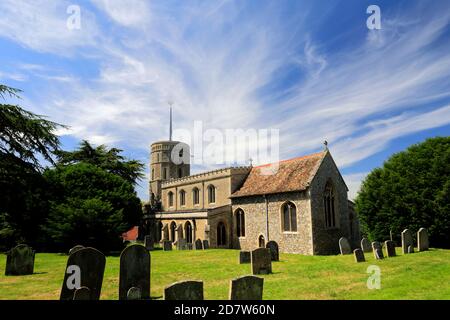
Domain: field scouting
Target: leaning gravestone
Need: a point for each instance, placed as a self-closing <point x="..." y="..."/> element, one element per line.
<point x="134" y="293"/>
<point x="205" y="244"/>
<point x="244" y="257"/>
<point x="85" y="268"/>
<point x="411" y="249"/>
<point x="19" y="261"/>
<point x="77" y="247"/>
<point x="82" y="293"/>
<point x="274" y="252"/>
<point x="377" y="250"/>
<point x="184" y="290"/>
<point x="344" y="246"/>
<point x="181" y="244"/>
<point x="167" y="245"/>
<point x="261" y="261"/>
<point x="365" y="245"/>
<point x="198" y="244"/>
<point x="246" y="288"/>
<point x="359" y="255"/>
<point x="407" y="240"/>
<point x="389" y="246"/>
<point x="134" y="271"/>
<point x="422" y="240"/>
<point x="148" y="243"/>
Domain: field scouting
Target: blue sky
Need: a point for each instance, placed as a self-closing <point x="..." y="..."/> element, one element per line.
<point x="311" y="69"/>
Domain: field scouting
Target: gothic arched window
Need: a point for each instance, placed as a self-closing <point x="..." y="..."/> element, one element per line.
<point x="195" y="196"/>
<point x="188" y="232"/>
<point x="329" y="205"/>
<point x="289" y="215"/>
<point x="182" y="198"/>
<point x="240" y="223"/>
<point x="221" y="234"/>
<point x="211" y="194"/>
<point x="173" y="227"/>
<point x="170" y="198"/>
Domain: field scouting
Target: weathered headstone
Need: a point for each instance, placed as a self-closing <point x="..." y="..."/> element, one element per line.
<point x="365" y="245"/>
<point x="198" y="244"/>
<point x="82" y="293"/>
<point x="167" y="245"/>
<point x="359" y="255"/>
<point x="261" y="261"/>
<point x="184" y="290"/>
<point x="244" y="257"/>
<point x="389" y="246"/>
<point x="19" y="261"/>
<point x="205" y="244"/>
<point x="85" y="268"/>
<point x="422" y="239"/>
<point x="407" y="240"/>
<point x="77" y="247"/>
<point x="148" y="243"/>
<point x="189" y="246"/>
<point x="411" y="249"/>
<point x="246" y="288"/>
<point x="134" y="271"/>
<point x="377" y="250"/>
<point x="274" y="252"/>
<point x="344" y="246"/>
<point x="181" y="244"/>
<point x="134" y="293"/>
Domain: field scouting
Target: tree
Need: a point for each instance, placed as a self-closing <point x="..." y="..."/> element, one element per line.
<point x="411" y="190"/>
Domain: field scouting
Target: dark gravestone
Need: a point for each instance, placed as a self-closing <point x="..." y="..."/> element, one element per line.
<point x="205" y="244"/>
<point x="365" y="245"/>
<point x="377" y="250"/>
<point x="359" y="255"/>
<point x="77" y="247"/>
<point x="274" y="252"/>
<point x="134" y="293"/>
<point x="148" y="243"/>
<point x="389" y="246"/>
<point x="246" y="288"/>
<point x="134" y="271"/>
<point x="407" y="240"/>
<point x="184" y="290"/>
<point x="198" y="244"/>
<point x="422" y="240"/>
<point x="82" y="293"/>
<point x="189" y="246"/>
<point x="167" y="245"/>
<point x="344" y="246"/>
<point x="261" y="261"/>
<point x="19" y="261"/>
<point x="411" y="249"/>
<point x="244" y="257"/>
<point x="85" y="268"/>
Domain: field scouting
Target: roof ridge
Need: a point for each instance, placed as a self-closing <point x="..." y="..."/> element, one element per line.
<point x="292" y="159"/>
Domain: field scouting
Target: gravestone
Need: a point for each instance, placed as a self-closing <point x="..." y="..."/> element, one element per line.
<point x="77" y="247"/>
<point x="365" y="245"/>
<point x="407" y="240"/>
<point x="377" y="250"/>
<point x="189" y="246"/>
<point x="422" y="239"/>
<point x="411" y="249"/>
<point x="205" y="244"/>
<point x="244" y="257"/>
<point x="181" y="244"/>
<point x="134" y="271"/>
<point x="198" y="244"/>
<point x="389" y="246"/>
<point x="148" y="243"/>
<point x="19" y="261"/>
<point x="261" y="261"/>
<point x="167" y="245"/>
<point x="359" y="255"/>
<point x="344" y="246"/>
<point x="274" y="252"/>
<point x="85" y="268"/>
<point x="184" y="290"/>
<point x="82" y="293"/>
<point x="246" y="288"/>
<point x="134" y="293"/>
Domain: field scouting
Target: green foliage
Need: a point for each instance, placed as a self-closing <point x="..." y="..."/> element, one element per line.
<point x="411" y="190"/>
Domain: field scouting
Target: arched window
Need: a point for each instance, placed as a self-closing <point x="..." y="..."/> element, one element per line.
<point x="195" y="196"/>
<point x="170" y="198"/>
<point x="165" y="173"/>
<point x="153" y="174"/>
<point x="159" y="232"/>
<point x="188" y="232"/>
<point x="289" y="214"/>
<point x="173" y="227"/>
<point x="211" y="194"/>
<point x="221" y="234"/>
<point x="240" y="223"/>
<point x="182" y="198"/>
<point x="261" y="241"/>
<point x="329" y="206"/>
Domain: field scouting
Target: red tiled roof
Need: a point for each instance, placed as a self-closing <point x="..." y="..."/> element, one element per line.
<point x="292" y="175"/>
<point x="131" y="235"/>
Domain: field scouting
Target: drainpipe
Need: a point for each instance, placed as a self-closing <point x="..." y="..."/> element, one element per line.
<point x="267" y="217"/>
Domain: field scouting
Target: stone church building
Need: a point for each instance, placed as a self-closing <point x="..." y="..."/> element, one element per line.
<point x="302" y="205"/>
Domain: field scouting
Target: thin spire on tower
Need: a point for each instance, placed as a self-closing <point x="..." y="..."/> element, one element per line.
<point x="170" y="125"/>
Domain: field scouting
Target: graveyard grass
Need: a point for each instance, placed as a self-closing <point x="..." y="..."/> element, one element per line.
<point x="422" y="275"/>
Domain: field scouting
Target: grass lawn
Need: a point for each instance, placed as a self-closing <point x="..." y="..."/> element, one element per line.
<point x="422" y="275"/>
